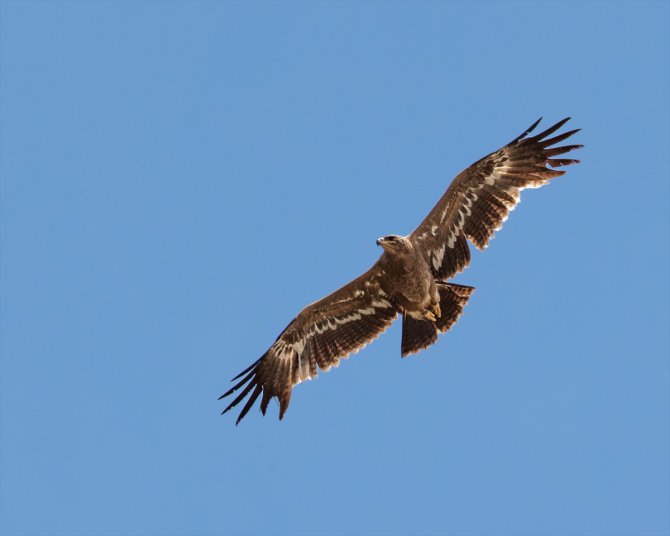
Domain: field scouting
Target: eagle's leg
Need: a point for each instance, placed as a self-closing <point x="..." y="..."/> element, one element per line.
<point x="436" y="310"/>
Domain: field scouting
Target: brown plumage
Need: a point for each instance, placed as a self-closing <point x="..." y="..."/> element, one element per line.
<point x="411" y="275"/>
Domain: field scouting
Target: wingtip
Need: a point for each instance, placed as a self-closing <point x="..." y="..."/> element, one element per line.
<point x="228" y="392"/>
<point x="532" y="127"/>
<point x="248" y="368"/>
<point x="564" y="121"/>
<point x="527" y="131"/>
<point x="284" y="402"/>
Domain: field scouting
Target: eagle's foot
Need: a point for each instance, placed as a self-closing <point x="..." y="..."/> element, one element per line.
<point x="429" y="315"/>
<point x="436" y="310"/>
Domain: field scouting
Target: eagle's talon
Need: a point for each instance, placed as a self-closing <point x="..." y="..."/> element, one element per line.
<point x="430" y="316"/>
<point x="436" y="310"/>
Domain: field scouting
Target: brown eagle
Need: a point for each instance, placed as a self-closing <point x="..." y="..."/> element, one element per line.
<point x="410" y="277"/>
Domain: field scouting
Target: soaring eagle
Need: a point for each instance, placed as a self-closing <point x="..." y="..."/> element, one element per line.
<point x="411" y="276"/>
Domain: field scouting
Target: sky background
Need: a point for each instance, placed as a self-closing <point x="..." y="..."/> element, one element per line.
<point x="180" y="179"/>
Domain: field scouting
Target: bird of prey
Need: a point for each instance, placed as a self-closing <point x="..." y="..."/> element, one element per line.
<point x="410" y="277"/>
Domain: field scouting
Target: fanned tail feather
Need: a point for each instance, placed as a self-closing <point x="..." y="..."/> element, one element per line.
<point x="420" y="334"/>
<point x="416" y="335"/>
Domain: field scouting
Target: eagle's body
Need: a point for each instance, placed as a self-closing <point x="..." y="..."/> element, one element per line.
<point x="406" y="277"/>
<point x="410" y="277"/>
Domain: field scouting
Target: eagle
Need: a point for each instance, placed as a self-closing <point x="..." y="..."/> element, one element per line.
<point x="410" y="278"/>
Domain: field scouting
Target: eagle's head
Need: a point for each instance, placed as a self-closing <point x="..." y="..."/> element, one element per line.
<point x="394" y="243"/>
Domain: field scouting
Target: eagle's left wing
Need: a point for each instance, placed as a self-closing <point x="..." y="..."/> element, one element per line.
<point x="322" y="333"/>
<point x="480" y="198"/>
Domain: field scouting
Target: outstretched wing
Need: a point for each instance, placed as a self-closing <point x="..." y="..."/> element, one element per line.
<point x="480" y="198"/>
<point x="325" y="331"/>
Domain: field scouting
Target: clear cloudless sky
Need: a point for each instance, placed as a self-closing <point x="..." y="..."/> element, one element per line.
<point x="180" y="178"/>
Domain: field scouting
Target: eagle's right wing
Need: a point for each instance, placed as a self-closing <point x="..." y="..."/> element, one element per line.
<point x="480" y="198"/>
<point x="325" y="331"/>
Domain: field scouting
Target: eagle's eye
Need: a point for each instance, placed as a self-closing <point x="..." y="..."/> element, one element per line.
<point x="390" y="238"/>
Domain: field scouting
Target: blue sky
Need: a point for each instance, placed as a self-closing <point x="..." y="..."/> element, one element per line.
<point x="180" y="179"/>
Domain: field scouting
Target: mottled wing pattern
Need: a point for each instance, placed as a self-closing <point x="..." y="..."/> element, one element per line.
<point x="478" y="201"/>
<point x="323" y="333"/>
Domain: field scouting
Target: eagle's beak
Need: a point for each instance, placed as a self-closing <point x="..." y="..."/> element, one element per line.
<point x="379" y="241"/>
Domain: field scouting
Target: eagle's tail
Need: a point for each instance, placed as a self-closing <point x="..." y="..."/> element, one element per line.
<point x="420" y="334"/>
